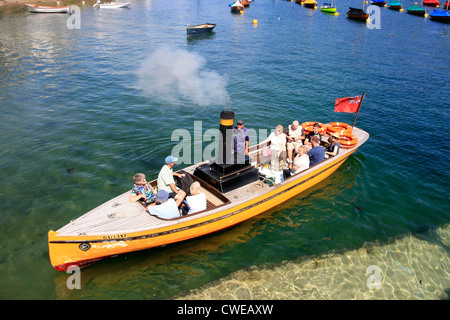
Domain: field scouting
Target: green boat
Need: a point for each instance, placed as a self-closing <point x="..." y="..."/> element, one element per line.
<point x="328" y="7"/>
<point x="394" y="5"/>
<point x="416" y="10"/>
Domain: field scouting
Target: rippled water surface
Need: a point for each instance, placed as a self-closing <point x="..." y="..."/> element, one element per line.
<point x="104" y="100"/>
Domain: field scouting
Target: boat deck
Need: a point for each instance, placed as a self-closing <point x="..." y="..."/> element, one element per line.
<point x="119" y="216"/>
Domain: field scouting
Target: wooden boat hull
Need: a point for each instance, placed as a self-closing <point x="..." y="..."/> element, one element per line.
<point x="201" y="28"/>
<point x="47" y="9"/>
<point x="70" y="246"/>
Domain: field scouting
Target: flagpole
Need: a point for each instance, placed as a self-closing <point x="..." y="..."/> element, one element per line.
<point x="362" y="98"/>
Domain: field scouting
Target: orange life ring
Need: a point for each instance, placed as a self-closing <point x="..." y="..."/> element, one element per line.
<point x="308" y="127"/>
<point x="347" y="141"/>
<point x="339" y="127"/>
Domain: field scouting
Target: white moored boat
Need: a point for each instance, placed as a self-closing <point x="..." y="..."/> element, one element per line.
<point x="47" y="9"/>
<point x="111" y="5"/>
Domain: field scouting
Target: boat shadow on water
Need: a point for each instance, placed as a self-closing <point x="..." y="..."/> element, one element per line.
<point x="195" y="38"/>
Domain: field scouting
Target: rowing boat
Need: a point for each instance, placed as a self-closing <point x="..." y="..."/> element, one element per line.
<point x="200" y="28"/>
<point x="234" y="193"/>
<point x="111" y="5"/>
<point x="47" y="9"/>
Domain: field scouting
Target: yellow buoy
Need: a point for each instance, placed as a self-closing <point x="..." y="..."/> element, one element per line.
<point x="336" y="13"/>
<point x="242" y="11"/>
<point x="426" y="15"/>
<point x="401" y="10"/>
<point x="368" y="20"/>
<point x="315" y="7"/>
<point x="255" y="21"/>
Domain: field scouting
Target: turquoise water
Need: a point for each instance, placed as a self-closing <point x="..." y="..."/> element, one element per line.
<point x="104" y="100"/>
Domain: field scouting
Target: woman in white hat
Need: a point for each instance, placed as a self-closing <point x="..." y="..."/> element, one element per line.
<point x="333" y="147"/>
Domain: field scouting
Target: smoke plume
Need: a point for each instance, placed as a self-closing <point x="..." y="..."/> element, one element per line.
<point x="179" y="76"/>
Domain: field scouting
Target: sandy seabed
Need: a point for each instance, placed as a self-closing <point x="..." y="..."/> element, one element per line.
<point x="408" y="268"/>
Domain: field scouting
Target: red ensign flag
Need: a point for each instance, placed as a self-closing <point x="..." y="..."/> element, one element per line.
<point x="348" y="104"/>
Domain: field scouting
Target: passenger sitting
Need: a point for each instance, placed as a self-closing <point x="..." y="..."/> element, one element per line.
<point x="142" y="190"/>
<point x="333" y="148"/>
<point x="196" y="201"/>
<point x="167" y="208"/>
<point x="166" y="177"/>
<point x="301" y="162"/>
<point x="278" y="149"/>
<point x="313" y="133"/>
<point x="317" y="153"/>
<point x="294" y="135"/>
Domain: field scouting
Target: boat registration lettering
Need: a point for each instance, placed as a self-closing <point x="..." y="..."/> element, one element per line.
<point x="115" y="236"/>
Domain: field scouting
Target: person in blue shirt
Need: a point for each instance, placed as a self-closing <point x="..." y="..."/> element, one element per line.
<point x="241" y="139"/>
<point x="167" y="208"/>
<point x="317" y="153"/>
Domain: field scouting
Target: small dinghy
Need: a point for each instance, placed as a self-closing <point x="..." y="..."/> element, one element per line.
<point x="47" y="9"/>
<point x="111" y="5"/>
<point x="431" y="3"/>
<point x="440" y="15"/>
<point x="310" y="3"/>
<point x="394" y="5"/>
<point x="200" y="28"/>
<point x="237" y="7"/>
<point x="416" y="10"/>
<point x="328" y="7"/>
<point x="380" y="3"/>
<point x="357" y="14"/>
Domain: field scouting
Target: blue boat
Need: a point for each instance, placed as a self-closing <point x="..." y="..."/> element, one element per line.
<point x="380" y="3"/>
<point x="440" y="15"/>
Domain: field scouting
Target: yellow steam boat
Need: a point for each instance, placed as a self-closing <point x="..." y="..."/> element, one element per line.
<point x="234" y="193"/>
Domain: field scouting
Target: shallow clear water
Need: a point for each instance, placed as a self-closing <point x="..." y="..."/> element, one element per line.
<point x="105" y="99"/>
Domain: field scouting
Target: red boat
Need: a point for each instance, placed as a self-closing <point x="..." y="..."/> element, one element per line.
<point x="431" y="3"/>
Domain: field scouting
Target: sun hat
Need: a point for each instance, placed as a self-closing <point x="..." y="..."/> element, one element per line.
<point x="170" y="159"/>
<point x="240" y="122"/>
<point x="335" y="134"/>
<point x="162" y="196"/>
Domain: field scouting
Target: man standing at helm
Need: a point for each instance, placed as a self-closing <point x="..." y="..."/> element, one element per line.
<point x="241" y="141"/>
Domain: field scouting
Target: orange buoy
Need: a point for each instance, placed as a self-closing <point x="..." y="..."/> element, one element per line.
<point x="308" y="127"/>
<point x="347" y="140"/>
<point x="339" y="127"/>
